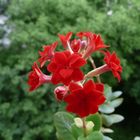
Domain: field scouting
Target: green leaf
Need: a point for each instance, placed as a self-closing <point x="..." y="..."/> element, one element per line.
<point x="107" y="130"/>
<point x="116" y="94"/>
<point x="106" y="138"/>
<point x="108" y="92"/>
<point x="96" y="135"/>
<point x="63" y="122"/>
<point x="96" y="119"/>
<point x="76" y="131"/>
<point x="117" y="102"/>
<point x="111" y="95"/>
<point x="58" y="136"/>
<point x="137" y="138"/>
<point x="108" y="120"/>
<point x="28" y="105"/>
<point x="106" y="108"/>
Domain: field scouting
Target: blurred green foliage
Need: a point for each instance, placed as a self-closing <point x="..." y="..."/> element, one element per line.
<point x="28" y="116"/>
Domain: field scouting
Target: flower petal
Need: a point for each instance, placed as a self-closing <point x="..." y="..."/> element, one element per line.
<point x="77" y="75"/>
<point x="73" y="86"/>
<point x="65" y="38"/>
<point x="56" y="78"/>
<point x="65" y="73"/>
<point x="33" y="80"/>
<point x="52" y="67"/>
<point x="100" y="87"/>
<point x="89" y="86"/>
<point x="60" y="58"/>
<point x="76" y="61"/>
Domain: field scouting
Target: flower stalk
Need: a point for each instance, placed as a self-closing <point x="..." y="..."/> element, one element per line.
<point x="94" y="66"/>
<point x="84" y="127"/>
<point x="69" y="48"/>
<point x="97" y="71"/>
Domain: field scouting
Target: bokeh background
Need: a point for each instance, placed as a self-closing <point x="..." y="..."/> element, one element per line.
<point x="26" y="25"/>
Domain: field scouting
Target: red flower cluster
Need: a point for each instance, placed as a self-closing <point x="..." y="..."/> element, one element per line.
<point x="82" y="96"/>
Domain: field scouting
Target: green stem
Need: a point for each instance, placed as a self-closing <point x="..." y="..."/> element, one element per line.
<point x="84" y="127"/>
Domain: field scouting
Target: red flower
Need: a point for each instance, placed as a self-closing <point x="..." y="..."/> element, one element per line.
<point x="113" y="62"/>
<point x="47" y="53"/>
<point x="65" y="39"/>
<point x="37" y="78"/>
<point x="85" y="100"/>
<point x="65" y="67"/>
<point x="95" y="44"/>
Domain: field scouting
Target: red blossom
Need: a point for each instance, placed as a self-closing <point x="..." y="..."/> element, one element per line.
<point x="47" y="53"/>
<point x="37" y="78"/>
<point x="85" y="100"/>
<point x="113" y="62"/>
<point x="95" y="43"/>
<point x="65" y="67"/>
<point x="65" y="38"/>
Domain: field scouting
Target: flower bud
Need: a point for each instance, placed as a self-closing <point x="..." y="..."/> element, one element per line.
<point x="78" y="122"/>
<point x="89" y="126"/>
<point x="84" y="44"/>
<point x="60" y="93"/>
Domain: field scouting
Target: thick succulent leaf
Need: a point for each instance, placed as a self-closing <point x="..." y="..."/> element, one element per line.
<point x="106" y="130"/>
<point x="117" y="102"/>
<point x="63" y="122"/>
<point x="108" y="92"/>
<point x="111" y="95"/>
<point x="106" y="108"/>
<point x="137" y="138"/>
<point x="96" y="119"/>
<point x="107" y="138"/>
<point x="116" y="94"/>
<point x="108" y="120"/>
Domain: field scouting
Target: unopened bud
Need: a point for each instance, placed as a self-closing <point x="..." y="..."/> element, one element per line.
<point x="78" y="122"/>
<point x="89" y="126"/>
<point x="83" y="44"/>
<point x="60" y="93"/>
